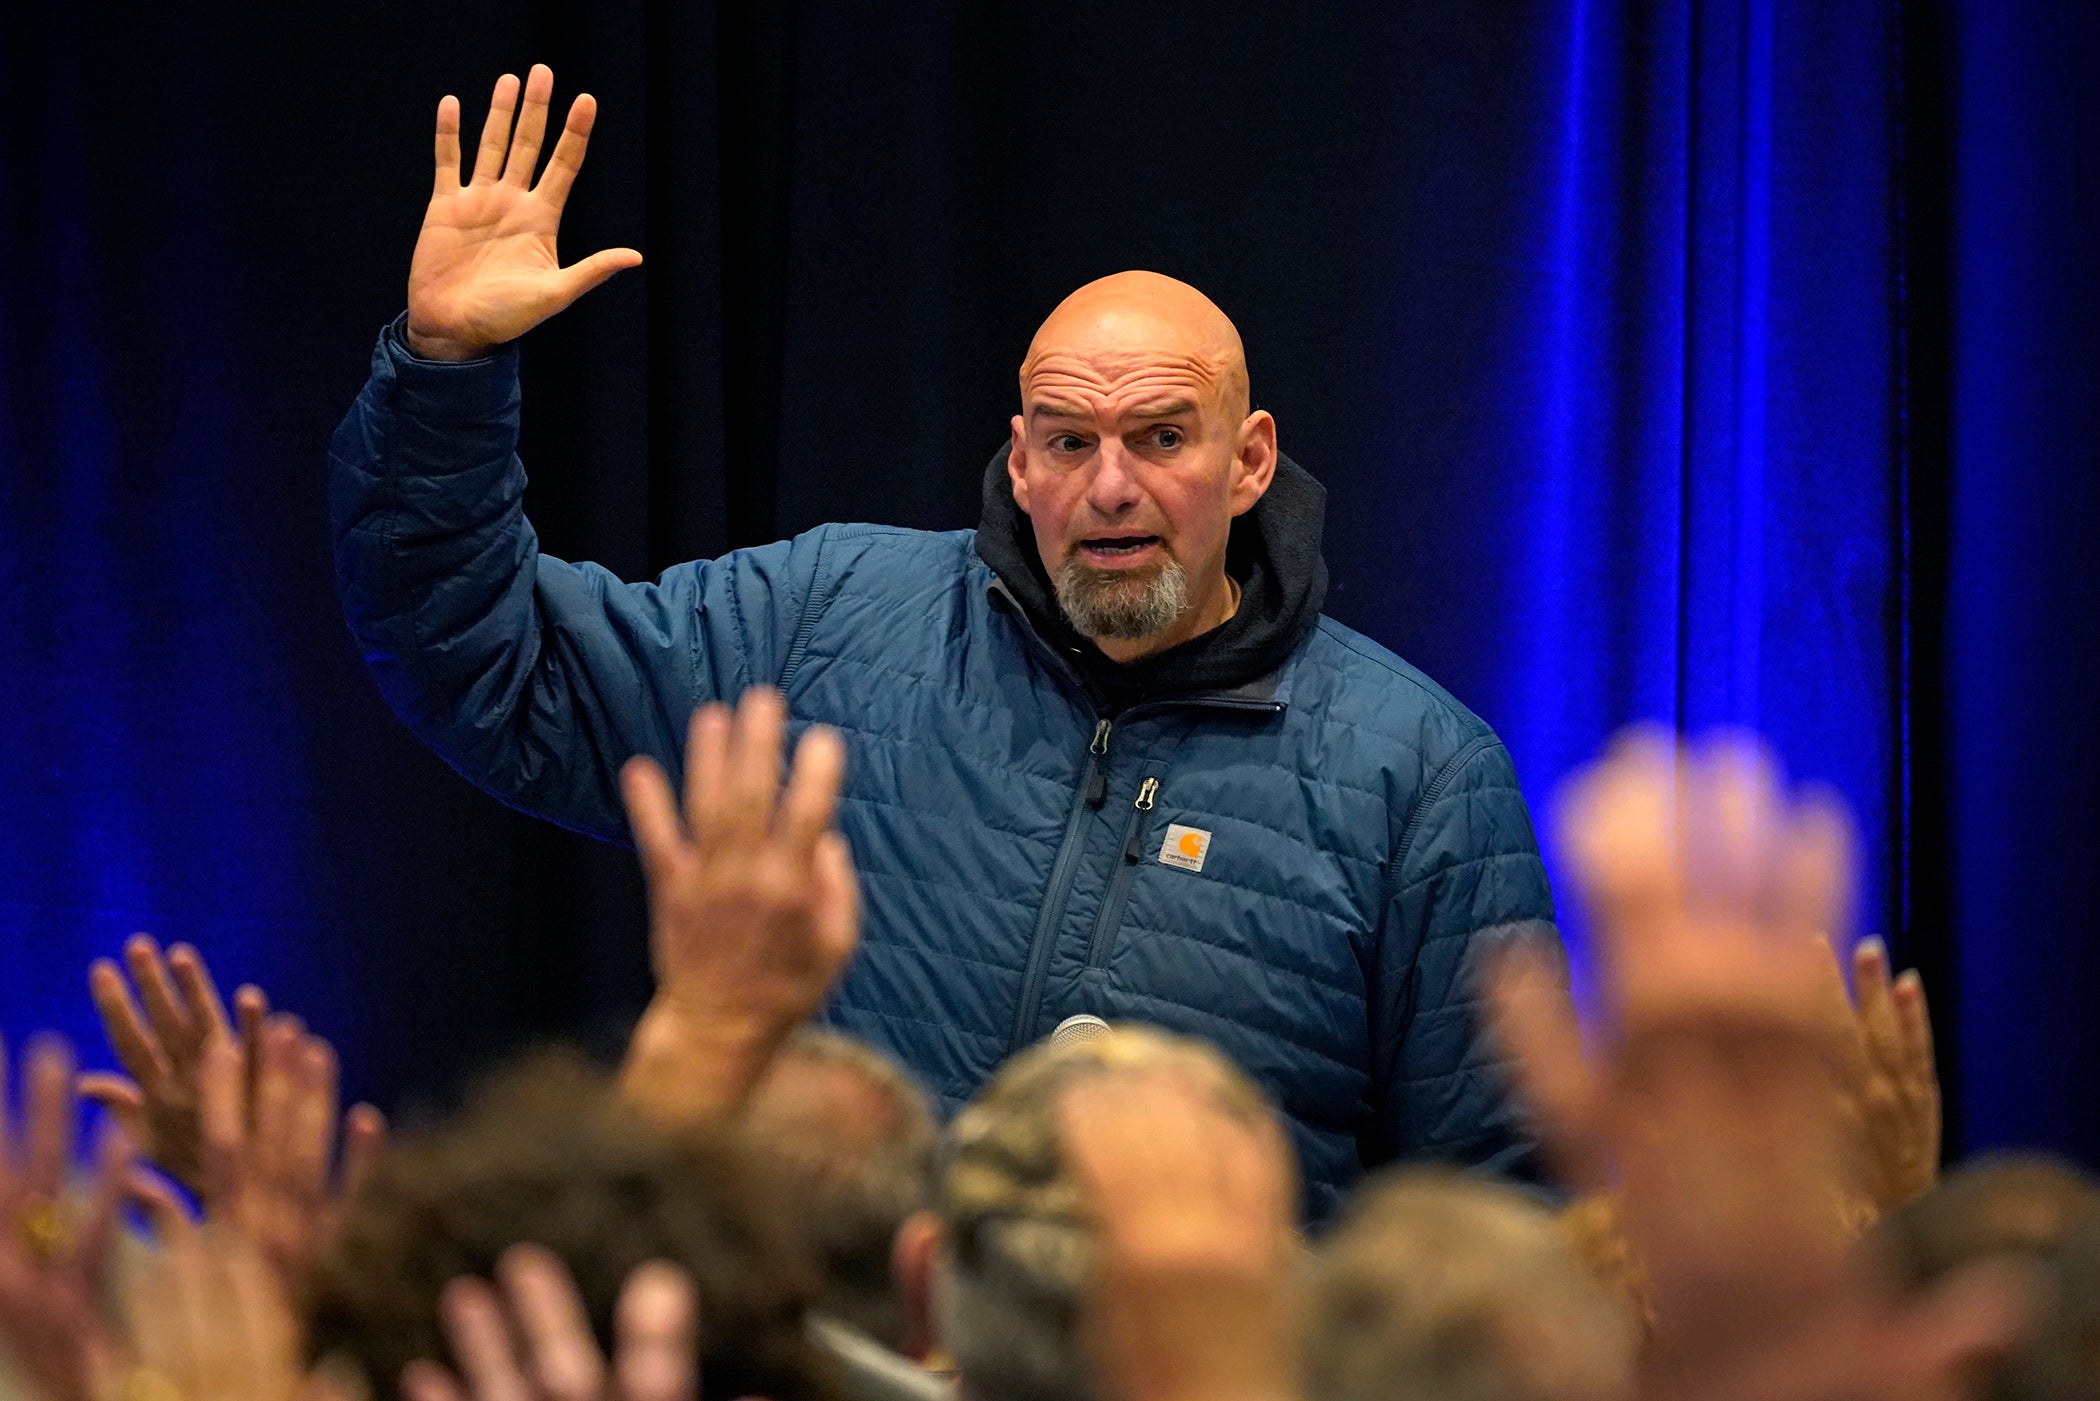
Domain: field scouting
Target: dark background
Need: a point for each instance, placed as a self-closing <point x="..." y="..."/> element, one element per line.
<point x="1712" y="361"/>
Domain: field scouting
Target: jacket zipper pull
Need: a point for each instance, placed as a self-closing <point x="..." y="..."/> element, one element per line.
<point x="1102" y="728"/>
<point x="1097" y="791"/>
<point x="1097" y="787"/>
<point x="1133" y="848"/>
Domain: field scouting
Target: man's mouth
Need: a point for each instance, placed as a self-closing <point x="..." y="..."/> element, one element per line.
<point x="1112" y="550"/>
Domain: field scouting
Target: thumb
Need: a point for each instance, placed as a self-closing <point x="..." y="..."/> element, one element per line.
<point x="580" y="277"/>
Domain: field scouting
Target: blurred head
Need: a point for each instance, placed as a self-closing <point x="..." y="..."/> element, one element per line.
<point x="1008" y="1248"/>
<point x="1449" y="1288"/>
<point x="2031" y="1210"/>
<point x="545" y="1154"/>
<point x="853" y="1140"/>
<point x="1134" y="450"/>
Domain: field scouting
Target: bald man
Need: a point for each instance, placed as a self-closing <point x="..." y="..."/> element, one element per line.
<point x="1106" y="756"/>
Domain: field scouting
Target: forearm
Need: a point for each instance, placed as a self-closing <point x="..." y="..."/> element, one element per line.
<point x="684" y="1069"/>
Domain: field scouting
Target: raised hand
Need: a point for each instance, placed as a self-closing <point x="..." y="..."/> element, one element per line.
<point x="485" y="269"/>
<point x="209" y="1320"/>
<point x="269" y="1155"/>
<point x="532" y="1342"/>
<point x="1893" y="1090"/>
<point x="162" y="1046"/>
<point x="1714" y="1086"/>
<point x="53" y="1245"/>
<point x="754" y="907"/>
<point x="1192" y="1208"/>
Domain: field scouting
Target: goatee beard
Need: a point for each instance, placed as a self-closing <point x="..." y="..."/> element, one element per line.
<point x="1122" y="603"/>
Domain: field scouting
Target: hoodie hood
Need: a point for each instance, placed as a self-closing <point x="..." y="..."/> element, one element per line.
<point x="1273" y="551"/>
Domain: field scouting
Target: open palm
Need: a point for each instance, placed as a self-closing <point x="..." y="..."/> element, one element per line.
<point x="485" y="268"/>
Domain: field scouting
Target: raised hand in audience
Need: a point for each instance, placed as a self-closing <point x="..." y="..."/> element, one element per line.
<point x="54" y="1242"/>
<point x="528" y="1339"/>
<point x="269" y="1149"/>
<point x="1193" y="1208"/>
<point x="1713" y="1087"/>
<point x="1891" y="1087"/>
<point x="209" y="1319"/>
<point x="754" y="908"/>
<point x="160" y="1037"/>
<point x="485" y="269"/>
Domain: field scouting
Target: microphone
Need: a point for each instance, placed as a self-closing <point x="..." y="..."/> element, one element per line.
<point x="1083" y="1027"/>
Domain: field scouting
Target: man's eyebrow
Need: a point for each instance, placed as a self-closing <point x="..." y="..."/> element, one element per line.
<point x="1173" y="408"/>
<point x="1051" y="409"/>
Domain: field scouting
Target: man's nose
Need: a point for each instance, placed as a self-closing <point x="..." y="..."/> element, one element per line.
<point x="1114" y="489"/>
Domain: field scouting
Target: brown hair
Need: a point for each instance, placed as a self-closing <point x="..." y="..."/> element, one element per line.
<point x="546" y="1154"/>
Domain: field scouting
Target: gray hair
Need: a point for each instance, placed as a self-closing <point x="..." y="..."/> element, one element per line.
<point x="1009" y="1288"/>
<point x="1440" y="1287"/>
<point x="1112" y="603"/>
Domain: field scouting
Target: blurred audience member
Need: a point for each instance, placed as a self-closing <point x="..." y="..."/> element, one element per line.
<point x="2039" y="1213"/>
<point x="854" y="1140"/>
<point x="1713" y="1088"/>
<point x="1435" y="1286"/>
<point x="1191" y="1193"/>
<point x="1000" y="1267"/>
<point x="548" y="1155"/>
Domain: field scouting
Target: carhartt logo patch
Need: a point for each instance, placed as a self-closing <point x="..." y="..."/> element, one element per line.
<point x="1184" y="847"/>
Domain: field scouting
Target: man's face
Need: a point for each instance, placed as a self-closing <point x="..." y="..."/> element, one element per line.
<point x="1132" y="454"/>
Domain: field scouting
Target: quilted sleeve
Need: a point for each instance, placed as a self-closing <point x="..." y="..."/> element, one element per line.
<point x="1465" y="883"/>
<point x="535" y="678"/>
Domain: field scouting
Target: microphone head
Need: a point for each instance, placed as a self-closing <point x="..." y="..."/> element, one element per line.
<point x="1083" y="1027"/>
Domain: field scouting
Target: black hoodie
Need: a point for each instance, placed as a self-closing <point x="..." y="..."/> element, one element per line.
<point x="1273" y="551"/>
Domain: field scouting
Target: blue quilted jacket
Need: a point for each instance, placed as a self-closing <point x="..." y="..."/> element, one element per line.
<point x="1361" y="839"/>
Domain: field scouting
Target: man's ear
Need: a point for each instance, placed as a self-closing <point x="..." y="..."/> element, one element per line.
<point x="913" y="1251"/>
<point x="1253" y="461"/>
<point x="1017" y="463"/>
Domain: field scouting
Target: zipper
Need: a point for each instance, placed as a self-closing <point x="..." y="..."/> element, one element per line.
<point x="1044" y="941"/>
<point x="1102" y="941"/>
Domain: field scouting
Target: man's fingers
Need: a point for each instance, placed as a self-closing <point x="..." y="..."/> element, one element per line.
<point x="579" y="278"/>
<point x="532" y="126"/>
<point x="118" y="1095"/>
<point x="481" y="1342"/>
<point x="1534" y="1019"/>
<point x="1877" y="1009"/>
<point x="251" y="1008"/>
<point x="568" y="151"/>
<point x="656" y="1326"/>
<point x="837" y="915"/>
<point x="557" y="1332"/>
<point x="495" y="132"/>
<point x="707" y="772"/>
<point x="166" y="1213"/>
<point x="222" y="1121"/>
<point x="171" y="1021"/>
<point x="812" y="797"/>
<point x="364" y="1139"/>
<point x="652" y="815"/>
<point x="310" y="1142"/>
<point x="199" y="993"/>
<point x="755" y="758"/>
<point x="447" y="147"/>
<point x="114" y="1157"/>
<point x="426" y="1381"/>
<point x="48" y="1113"/>
<point x="1914" y="1023"/>
<point x="138" y="1050"/>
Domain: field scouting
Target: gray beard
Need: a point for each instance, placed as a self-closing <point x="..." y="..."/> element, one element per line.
<point x="1112" y="603"/>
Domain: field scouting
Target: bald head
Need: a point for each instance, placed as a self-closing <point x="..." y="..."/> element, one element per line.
<point x="1130" y="321"/>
